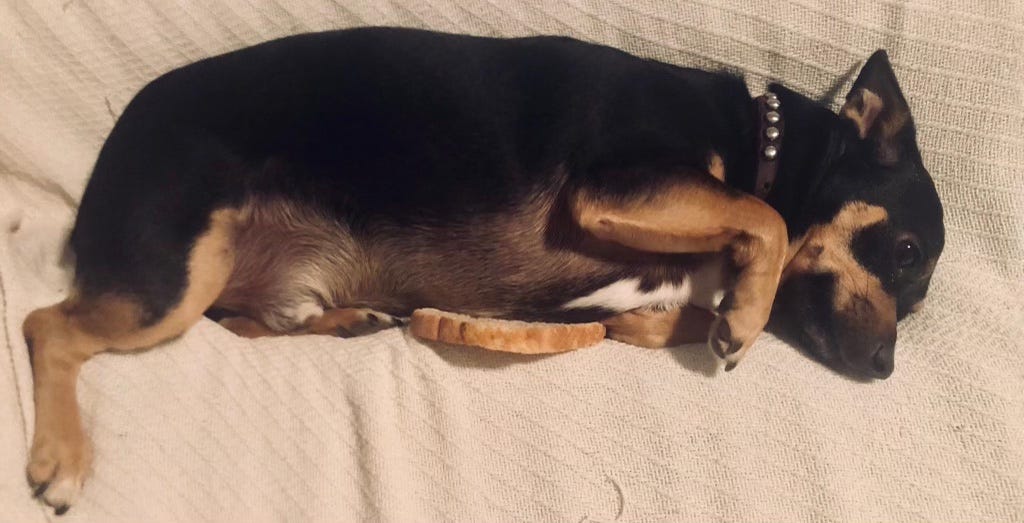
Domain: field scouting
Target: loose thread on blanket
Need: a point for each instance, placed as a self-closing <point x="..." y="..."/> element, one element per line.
<point x="621" y="496"/>
<point x="110" y="109"/>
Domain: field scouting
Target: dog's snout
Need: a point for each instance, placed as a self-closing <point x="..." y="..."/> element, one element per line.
<point x="870" y="354"/>
<point x="882" y="363"/>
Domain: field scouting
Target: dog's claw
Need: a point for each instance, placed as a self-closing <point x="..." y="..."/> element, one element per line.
<point x="40" y="489"/>
<point x="716" y="340"/>
<point x="61" y="510"/>
<point x="730" y="365"/>
<point x="733" y="348"/>
<point x="721" y="341"/>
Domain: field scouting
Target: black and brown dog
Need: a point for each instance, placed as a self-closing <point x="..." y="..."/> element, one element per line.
<point x="334" y="181"/>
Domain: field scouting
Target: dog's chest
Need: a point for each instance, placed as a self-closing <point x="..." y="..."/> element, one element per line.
<point x="702" y="287"/>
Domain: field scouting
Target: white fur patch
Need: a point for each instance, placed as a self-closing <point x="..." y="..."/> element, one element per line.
<point x="63" y="492"/>
<point x="625" y="295"/>
<point x="702" y="288"/>
<point x="303" y="312"/>
<point x="286" y="317"/>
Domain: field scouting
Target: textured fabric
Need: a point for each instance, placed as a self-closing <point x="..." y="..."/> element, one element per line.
<point x="214" y="428"/>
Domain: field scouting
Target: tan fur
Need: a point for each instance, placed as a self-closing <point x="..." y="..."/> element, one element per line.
<point x="503" y="335"/>
<point x="657" y="329"/>
<point x="859" y="295"/>
<point x="687" y="218"/>
<point x="716" y="167"/>
<point x="654" y="225"/>
<point x="873" y="117"/>
<point x="63" y="336"/>
<point x="863" y="107"/>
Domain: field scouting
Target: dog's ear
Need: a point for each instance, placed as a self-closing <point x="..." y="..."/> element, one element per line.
<point x="877" y="108"/>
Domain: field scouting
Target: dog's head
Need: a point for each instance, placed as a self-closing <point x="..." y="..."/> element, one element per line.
<point x="863" y="252"/>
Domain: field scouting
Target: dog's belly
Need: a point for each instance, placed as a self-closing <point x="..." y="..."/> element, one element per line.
<point x="294" y="261"/>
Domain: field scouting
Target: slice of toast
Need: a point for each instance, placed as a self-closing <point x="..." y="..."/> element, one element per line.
<point x="504" y="335"/>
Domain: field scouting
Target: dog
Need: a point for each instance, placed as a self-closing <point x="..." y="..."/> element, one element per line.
<point x="334" y="182"/>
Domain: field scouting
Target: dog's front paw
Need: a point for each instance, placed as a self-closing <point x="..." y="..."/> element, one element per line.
<point x="734" y="330"/>
<point x="57" y="468"/>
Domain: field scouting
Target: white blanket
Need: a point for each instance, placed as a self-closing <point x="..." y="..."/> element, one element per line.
<point x="215" y="428"/>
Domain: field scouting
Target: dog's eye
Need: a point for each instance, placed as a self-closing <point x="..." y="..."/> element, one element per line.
<point x="908" y="254"/>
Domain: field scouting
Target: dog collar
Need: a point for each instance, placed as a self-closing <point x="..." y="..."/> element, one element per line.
<point x="769" y="142"/>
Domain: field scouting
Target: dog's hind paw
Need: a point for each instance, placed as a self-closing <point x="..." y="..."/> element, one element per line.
<point x="350" y="322"/>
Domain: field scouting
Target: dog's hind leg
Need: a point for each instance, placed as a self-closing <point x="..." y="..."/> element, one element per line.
<point x="64" y="336"/>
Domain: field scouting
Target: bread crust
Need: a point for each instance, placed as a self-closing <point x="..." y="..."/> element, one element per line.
<point x="504" y="335"/>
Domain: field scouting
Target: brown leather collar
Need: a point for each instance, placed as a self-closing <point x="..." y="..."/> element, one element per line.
<point x="769" y="142"/>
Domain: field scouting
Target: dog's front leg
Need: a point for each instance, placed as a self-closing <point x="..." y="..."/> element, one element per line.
<point x="691" y="213"/>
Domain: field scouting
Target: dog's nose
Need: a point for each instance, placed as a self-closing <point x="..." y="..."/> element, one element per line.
<point x="882" y="362"/>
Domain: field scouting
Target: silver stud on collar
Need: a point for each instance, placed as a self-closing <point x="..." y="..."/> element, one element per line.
<point x="772" y="133"/>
